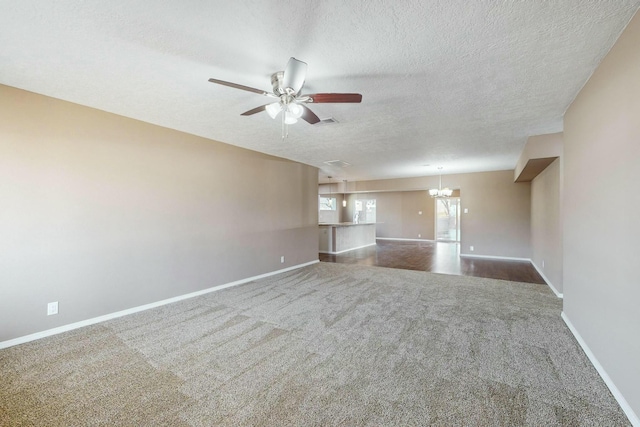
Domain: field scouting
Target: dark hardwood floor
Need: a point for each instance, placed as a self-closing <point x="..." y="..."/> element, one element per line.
<point x="436" y="257"/>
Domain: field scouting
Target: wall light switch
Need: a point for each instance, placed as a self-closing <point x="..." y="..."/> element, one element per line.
<point x="466" y="210"/>
<point x="419" y="212"/>
<point x="52" y="308"/>
<point x="282" y="259"/>
<point x="471" y="248"/>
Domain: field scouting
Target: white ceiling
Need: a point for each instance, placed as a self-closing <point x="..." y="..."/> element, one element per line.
<point x="453" y="83"/>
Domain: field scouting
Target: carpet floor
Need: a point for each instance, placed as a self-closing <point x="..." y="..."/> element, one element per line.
<point x="324" y="345"/>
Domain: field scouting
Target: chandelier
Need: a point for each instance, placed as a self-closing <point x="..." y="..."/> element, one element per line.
<point x="440" y="192"/>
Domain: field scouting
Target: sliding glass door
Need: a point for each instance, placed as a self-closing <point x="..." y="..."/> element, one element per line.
<point x="448" y="219"/>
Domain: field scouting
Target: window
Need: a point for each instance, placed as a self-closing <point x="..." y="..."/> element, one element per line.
<point x="327" y="203"/>
<point x="365" y="210"/>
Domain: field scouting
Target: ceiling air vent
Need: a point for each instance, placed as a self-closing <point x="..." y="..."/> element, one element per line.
<point x="329" y="121"/>
<point x="337" y="163"/>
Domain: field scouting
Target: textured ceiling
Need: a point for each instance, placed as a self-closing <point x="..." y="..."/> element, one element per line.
<point x="453" y="83"/>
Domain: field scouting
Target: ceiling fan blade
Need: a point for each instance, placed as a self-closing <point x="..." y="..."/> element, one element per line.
<point x="237" y="86"/>
<point x="308" y="115"/>
<point x="294" y="75"/>
<point x="254" y="111"/>
<point x="334" y="97"/>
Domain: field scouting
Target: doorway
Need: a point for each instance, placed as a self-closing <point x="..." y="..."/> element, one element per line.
<point x="448" y="219"/>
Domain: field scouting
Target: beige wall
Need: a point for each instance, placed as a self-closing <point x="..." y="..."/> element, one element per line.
<point x="539" y="147"/>
<point x="337" y="190"/>
<point x="331" y="216"/>
<point x="103" y="213"/>
<point x="546" y="225"/>
<point x="498" y="219"/>
<point x="601" y="205"/>
<point x="331" y="190"/>
<point x="398" y="214"/>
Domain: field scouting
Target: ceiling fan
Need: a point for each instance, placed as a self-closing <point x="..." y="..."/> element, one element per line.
<point x="287" y="86"/>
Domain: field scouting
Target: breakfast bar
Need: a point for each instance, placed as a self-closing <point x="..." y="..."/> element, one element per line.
<point x="345" y="236"/>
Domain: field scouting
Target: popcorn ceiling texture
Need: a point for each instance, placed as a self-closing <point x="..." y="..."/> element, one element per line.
<point x="455" y="83"/>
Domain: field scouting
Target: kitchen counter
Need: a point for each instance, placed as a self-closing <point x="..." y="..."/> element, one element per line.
<point x="335" y="238"/>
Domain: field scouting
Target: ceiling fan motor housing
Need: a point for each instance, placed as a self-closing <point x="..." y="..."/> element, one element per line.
<point x="276" y="82"/>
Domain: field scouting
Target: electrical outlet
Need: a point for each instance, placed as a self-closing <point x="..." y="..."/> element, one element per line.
<point x="52" y="308"/>
<point x="419" y="212"/>
<point x="282" y="259"/>
<point x="419" y="235"/>
<point x="471" y="248"/>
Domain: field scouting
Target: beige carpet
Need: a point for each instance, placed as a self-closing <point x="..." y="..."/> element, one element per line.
<point x="325" y="345"/>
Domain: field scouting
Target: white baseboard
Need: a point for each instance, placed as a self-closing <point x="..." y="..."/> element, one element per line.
<point x="505" y="258"/>
<point x="407" y="240"/>
<point x="626" y="408"/>
<point x="346" y="250"/>
<point x="553" y="288"/>
<point x="99" y="319"/>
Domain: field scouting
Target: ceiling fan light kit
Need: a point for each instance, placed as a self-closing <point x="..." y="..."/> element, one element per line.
<point x="287" y="86"/>
<point x="273" y="109"/>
